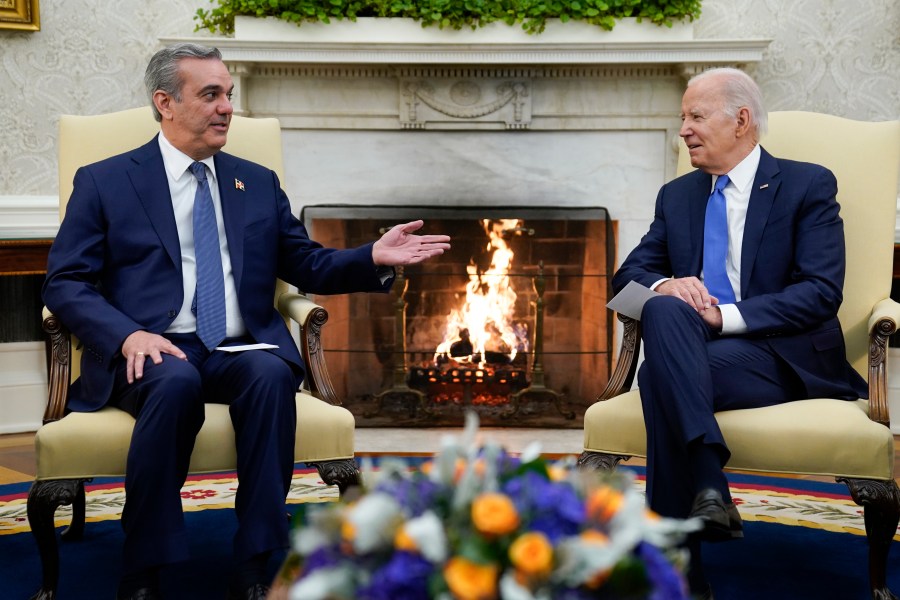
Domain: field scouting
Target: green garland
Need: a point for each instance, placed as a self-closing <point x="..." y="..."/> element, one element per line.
<point x="451" y="14"/>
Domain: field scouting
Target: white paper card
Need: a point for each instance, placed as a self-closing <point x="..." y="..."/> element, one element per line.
<point x="630" y="301"/>
<point x="246" y="347"/>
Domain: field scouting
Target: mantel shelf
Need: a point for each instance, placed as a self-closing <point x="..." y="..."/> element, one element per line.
<point x="697" y="52"/>
<point x="403" y="42"/>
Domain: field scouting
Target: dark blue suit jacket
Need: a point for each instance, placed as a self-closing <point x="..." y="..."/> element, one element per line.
<point x="115" y="265"/>
<point x="792" y="264"/>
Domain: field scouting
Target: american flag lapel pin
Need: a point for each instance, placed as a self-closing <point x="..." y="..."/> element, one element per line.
<point x="238" y="185"/>
<point x="762" y="187"/>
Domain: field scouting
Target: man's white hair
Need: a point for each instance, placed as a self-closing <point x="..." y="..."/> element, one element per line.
<point x="739" y="90"/>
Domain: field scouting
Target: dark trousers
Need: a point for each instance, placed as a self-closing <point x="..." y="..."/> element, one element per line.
<point x="167" y="403"/>
<point x="690" y="372"/>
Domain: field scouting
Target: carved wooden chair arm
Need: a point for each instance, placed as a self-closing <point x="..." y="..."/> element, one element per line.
<point x="58" y="345"/>
<point x="882" y="324"/>
<point x="311" y="317"/>
<point x="626" y="365"/>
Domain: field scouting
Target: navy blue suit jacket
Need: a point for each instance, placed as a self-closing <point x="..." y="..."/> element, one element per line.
<point x="115" y="265"/>
<point x="792" y="264"/>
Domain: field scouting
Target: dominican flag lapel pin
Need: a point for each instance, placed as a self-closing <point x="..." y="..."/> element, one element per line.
<point x="238" y="185"/>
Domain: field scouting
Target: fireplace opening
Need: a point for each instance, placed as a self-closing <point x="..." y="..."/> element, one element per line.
<point x="511" y="322"/>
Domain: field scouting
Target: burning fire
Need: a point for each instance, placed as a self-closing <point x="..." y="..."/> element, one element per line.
<point x="482" y="329"/>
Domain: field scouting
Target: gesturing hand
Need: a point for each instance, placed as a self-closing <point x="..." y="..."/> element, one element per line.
<point x="400" y="246"/>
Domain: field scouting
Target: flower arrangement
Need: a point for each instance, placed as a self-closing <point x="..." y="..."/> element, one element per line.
<point x="477" y="524"/>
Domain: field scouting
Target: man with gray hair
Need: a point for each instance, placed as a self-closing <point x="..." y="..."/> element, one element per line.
<point x="157" y="265"/>
<point x="747" y="254"/>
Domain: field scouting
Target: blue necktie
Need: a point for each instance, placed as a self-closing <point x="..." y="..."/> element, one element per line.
<point x="715" y="245"/>
<point x="209" y="301"/>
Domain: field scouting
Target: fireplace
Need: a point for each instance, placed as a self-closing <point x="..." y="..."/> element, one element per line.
<point x="511" y="323"/>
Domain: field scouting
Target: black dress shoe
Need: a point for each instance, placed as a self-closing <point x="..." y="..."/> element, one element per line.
<point x="721" y="522"/>
<point x="257" y="591"/>
<point x="144" y="593"/>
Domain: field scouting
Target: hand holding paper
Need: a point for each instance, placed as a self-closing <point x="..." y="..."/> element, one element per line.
<point x="630" y="301"/>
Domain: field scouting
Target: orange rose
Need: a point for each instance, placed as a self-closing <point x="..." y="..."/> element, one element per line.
<point x="348" y="531"/>
<point x="494" y="514"/>
<point x="470" y="581"/>
<point x="532" y="555"/>
<point x="604" y="503"/>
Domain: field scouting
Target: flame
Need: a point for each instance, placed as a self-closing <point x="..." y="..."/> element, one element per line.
<point x="485" y="320"/>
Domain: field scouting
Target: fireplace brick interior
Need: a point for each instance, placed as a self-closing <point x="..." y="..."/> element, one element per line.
<point x="575" y="248"/>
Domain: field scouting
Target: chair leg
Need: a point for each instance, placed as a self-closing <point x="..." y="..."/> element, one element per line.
<point x="342" y="473"/>
<point x="75" y="530"/>
<point x="43" y="500"/>
<point x="599" y="461"/>
<point x="881" y="506"/>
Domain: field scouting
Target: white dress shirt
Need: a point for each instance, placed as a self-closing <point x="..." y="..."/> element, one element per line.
<point x="182" y="188"/>
<point x="737" y="199"/>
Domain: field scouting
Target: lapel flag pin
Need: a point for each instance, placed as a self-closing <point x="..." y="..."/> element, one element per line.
<point x="762" y="187"/>
<point x="238" y="184"/>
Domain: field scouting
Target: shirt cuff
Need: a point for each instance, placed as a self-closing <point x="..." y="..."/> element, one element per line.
<point x="732" y="321"/>
<point x="384" y="273"/>
<point x="656" y="284"/>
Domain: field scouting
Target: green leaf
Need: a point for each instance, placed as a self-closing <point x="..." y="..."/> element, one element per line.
<point x="475" y="548"/>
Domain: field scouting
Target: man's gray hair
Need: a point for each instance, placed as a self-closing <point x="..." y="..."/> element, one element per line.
<point x="740" y="90"/>
<point x="162" y="70"/>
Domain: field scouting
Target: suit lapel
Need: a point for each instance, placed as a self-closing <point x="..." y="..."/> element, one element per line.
<point x="148" y="176"/>
<point x="762" y="197"/>
<point x="233" y="199"/>
<point x="699" y="198"/>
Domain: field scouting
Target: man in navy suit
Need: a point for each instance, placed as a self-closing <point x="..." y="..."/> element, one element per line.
<point x="122" y="276"/>
<point x="772" y="333"/>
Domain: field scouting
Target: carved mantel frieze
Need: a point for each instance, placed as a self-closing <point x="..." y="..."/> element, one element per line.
<point x="436" y="74"/>
<point x="467" y="100"/>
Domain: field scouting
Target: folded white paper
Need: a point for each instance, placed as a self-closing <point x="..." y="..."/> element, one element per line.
<point x="630" y="301"/>
<point x="246" y="347"/>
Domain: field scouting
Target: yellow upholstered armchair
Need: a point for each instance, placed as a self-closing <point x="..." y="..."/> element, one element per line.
<point x="73" y="448"/>
<point x="850" y="441"/>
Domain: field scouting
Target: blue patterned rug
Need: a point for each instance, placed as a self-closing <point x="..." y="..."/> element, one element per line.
<point x="803" y="540"/>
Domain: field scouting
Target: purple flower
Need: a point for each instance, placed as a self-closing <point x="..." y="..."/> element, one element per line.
<point x="415" y="494"/>
<point x="553" y="508"/>
<point x="665" y="581"/>
<point x="326" y="556"/>
<point x="404" y="576"/>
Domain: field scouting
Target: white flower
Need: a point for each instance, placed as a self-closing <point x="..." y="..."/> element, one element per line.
<point x="510" y="589"/>
<point x="427" y="531"/>
<point x="579" y="560"/>
<point x="531" y="453"/>
<point x="307" y="540"/>
<point x="324" y="584"/>
<point x="374" y="518"/>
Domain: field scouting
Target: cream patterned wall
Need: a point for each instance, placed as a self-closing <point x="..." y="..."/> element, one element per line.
<point x="88" y="58"/>
<point x="835" y="56"/>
